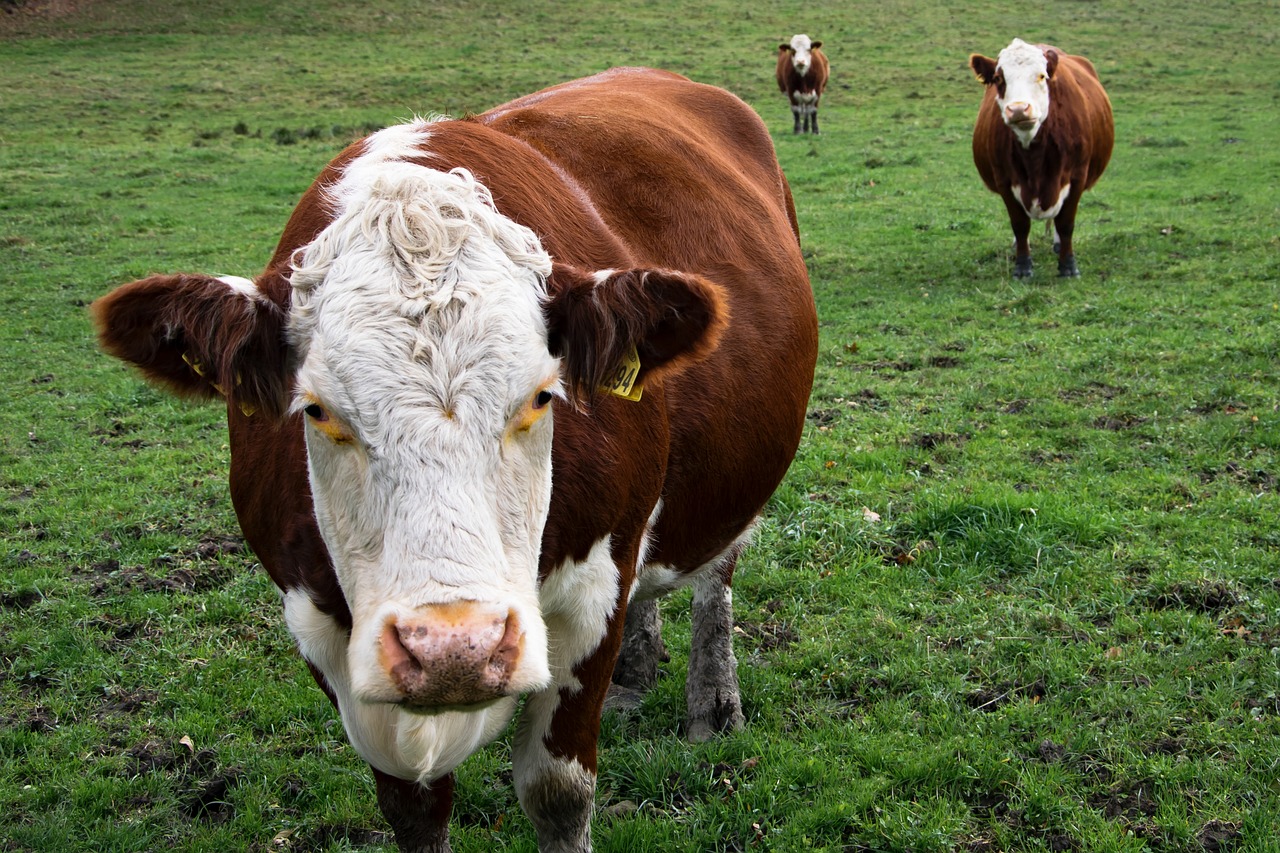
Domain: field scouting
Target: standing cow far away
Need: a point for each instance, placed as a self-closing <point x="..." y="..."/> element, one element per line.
<point x="505" y="379"/>
<point x="802" y="73"/>
<point x="1044" y="135"/>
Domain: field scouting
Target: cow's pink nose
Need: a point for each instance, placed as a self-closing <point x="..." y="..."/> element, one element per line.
<point x="460" y="653"/>
<point x="1018" y="111"/>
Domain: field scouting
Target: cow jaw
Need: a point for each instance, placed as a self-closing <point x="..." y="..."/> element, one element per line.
<point x="1024" y="100"/>
<point x="426" y="380"/>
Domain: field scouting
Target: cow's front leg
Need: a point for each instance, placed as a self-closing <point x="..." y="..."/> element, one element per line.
<point x="1064" y="227"/>
<point x="419" y="815"/>
<point x="711" y="688"/>
<point x="797" y="110"/>
<point x="554" y="753"/>
<point x="554" y="750"/>
<point x="1020" y="222"/>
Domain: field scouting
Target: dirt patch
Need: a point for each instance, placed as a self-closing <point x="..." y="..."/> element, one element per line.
<point x="767" y="636"/>
<point x="1218" y="836"/>
<point x="930" y="440"/>
<point x="944" y="361"/>
<point x="1211" y="597"/>
<point x="1091" y="391"/>
<point x="19" y="600"/>
<point x="1119" y="422"/>
<point x="988" y="699"/>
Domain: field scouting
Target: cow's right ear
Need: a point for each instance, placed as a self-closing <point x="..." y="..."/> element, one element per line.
<point x="784" y="46"/>
<point x="815" y="45"/>
<point x="984" y="67"/>
<point x="200" y="337"/>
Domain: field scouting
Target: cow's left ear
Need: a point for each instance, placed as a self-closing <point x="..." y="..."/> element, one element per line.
<point x="1050" y="62"/>
<point x="984" y="67"/>
<point x="815" y="45"/>
<point x="595" y="318"/>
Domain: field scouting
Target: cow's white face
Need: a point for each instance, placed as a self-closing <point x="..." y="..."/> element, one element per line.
<point x="1022" y="89"/>
<point x="801" y="53"/>
<point x="426" y="382"/>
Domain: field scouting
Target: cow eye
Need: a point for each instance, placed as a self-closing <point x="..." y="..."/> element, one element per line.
<point x="316" y="412"/>
<point x="542" y="399"/>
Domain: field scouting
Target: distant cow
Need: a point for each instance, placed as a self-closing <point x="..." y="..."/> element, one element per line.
<point x="503" y="375"/>
<point x="1044" y="135"/>
<point x="802" y="76"/>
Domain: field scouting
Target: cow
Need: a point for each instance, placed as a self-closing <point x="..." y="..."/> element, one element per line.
<point x="802" y="76"/>
<point x="503" y="377"/>
<point x="1043" y="136"/>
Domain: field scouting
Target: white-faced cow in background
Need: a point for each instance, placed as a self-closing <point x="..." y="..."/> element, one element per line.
<point x="1044" y="135"/>
<point x="423" y="457"/>
<point x="802" y="76"/>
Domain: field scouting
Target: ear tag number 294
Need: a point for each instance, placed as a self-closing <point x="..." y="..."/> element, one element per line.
<point x="622" y="382"/>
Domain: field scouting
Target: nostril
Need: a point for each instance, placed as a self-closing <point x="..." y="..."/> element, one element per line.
<point x="507" y="651"/>
<point x="395" y="649"/>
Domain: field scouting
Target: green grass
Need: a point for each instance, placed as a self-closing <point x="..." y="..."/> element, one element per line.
<point x="1019" y="591"/>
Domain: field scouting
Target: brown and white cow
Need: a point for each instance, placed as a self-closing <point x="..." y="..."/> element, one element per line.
<point x="802" y="76"/>
<point x="1044" y="135"/>
<point x="421" y="453"/>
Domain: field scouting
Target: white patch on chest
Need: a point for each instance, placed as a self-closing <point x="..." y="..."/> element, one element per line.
<point x="577" y="600"/>
<point x="1036" y="210"/>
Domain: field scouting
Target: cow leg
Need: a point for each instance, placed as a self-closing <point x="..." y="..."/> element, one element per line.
<point x="642" y="647"/>
<point x="815" y="119"/>
<point x="711" y="689"/>
<point x="419" y="816"/>
<point x="1021" y="224"/>
<point x="1064" y="226"/>
<point x="554" y="750"/>
<point x="796" y="111"/>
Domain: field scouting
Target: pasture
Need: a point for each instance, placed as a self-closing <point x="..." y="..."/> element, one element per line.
<point x="1020" y="590"/>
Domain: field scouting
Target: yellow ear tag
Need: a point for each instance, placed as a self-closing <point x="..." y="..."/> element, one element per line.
<point x="195" y="365"/>
<point x="622" y="382"/>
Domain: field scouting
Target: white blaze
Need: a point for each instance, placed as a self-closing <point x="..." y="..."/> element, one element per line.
<point x="801" y="53"/>
<point x="1026" y="77"/>
<point x="420" y="337"/>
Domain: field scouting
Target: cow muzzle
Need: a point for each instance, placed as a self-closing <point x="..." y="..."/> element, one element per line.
<point x="1019" y="113"/>
<point x="451" y="655"/>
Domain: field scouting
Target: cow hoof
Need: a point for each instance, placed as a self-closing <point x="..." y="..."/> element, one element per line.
<point x="722" y="714"/>
<point x="1067" y="267"/>
<point x="1023" y="269"/>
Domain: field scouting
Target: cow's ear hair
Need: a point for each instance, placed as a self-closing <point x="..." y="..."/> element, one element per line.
<point x="200" y="337"/>
<point x="815" y="45"/>
<point x="784" y="46"/>
<point x="984" y="67"/>
<point x="594" y="319"/>
<point x="1050" y="62"/>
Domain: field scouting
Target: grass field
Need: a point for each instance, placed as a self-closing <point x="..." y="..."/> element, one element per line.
<point x="1021" y="590"/>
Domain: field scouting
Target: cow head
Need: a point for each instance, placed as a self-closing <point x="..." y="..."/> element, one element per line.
<point x="801" y="49"/>
<point x="426" y="346"/>
<point x="1021" y="76"/>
